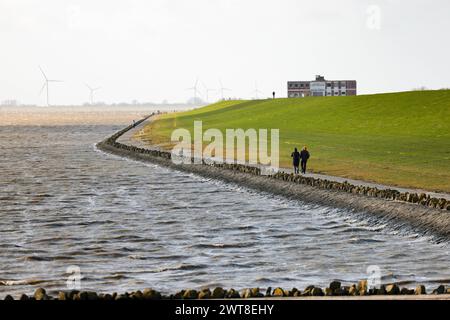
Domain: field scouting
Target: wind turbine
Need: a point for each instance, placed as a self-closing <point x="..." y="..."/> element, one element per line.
<point x="92" y="90"/>
<point x="256" y="91"/>
<point x="222" y="88"/>
<point x="46" y="85"/>
<point x="207" y="90"/>
<point x="194" y="88"/>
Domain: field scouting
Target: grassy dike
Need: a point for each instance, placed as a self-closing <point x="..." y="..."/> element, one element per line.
<point x="400" y="139"/>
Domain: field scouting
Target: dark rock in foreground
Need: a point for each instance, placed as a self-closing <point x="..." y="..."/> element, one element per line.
<point x="334" y="290"/>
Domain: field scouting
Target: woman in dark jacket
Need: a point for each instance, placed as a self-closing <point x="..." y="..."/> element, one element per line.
<point x="296" y="160"/>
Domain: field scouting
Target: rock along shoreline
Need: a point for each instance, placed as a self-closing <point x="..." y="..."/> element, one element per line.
<point x="421" y="213"/>
<point x="335" y="289"/>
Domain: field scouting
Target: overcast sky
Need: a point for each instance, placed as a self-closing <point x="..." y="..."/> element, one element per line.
<point x="154" y="50"/>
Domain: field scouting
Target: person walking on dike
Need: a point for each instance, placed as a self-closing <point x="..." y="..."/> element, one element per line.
<point x="296" y="160"/>
<point x="304" y="155"/>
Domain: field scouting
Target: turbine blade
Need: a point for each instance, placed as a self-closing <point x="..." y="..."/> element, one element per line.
<point x="43" y="73"/>
<point x="43" y="87"/>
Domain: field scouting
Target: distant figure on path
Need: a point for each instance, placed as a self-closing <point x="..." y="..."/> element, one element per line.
<point x="296" y="160"/>
<point x="304" y="155"/>
<point x="134" y="123"/>
<point x="273" y="94"/>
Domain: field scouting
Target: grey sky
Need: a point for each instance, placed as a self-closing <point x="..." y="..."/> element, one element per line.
<point x="154" y="50"/>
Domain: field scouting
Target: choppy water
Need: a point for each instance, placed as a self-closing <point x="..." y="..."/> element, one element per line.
<point x="129" y="225"/>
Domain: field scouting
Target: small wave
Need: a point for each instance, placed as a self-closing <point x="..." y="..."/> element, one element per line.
<point x="137" y="257"/>
<point x="364" y="240"/>
<point x="233" y="228"/>
<point x="63" y="257"/>
<point x="399" y="255"/>
<point x="117" y="276"/>
<point x="248" y="265"/>
<point x="7" y="198"/>
<point x="36" y="258"/>
<point x="264" y="280"/>
<point x="283" y="236"/>
<point x="133" y="238"/>
<point x="312" y="229"/>
<point x="439" y="281"/>
<point x="222" y="245"/>
<point x="183" y="267"/>
<point x="110" y="254"/>
<point x="92" y="223"/>
<point x="53" y="239"/>
<point x="351" y="229"/>
<point x="43" y="195"/>
<point x="54" y="225"/>
<point x="168" y="222"/>
<point x="170" y="257"/>
<point x="48" y="258"/>
<point x="21" y="282"/>
<point x="375" y="228"/>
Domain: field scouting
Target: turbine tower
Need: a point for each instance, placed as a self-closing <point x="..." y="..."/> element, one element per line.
<point x="256" y="91"/>
<point x="46" y="82"/>
<point x="222" y="89"/>
<point x="207" y="91"/>
<point x="195" y="89"/>
<point x="91" y="92"/>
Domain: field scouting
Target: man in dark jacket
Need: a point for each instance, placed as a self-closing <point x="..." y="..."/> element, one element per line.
<point x="304" y="156"/>
<point x="296" y="160"/>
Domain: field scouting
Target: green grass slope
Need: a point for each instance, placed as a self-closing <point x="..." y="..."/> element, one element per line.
<point x="399" y="139"/>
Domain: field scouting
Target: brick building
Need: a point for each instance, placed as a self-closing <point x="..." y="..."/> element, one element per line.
<point x="321" y="88"/>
